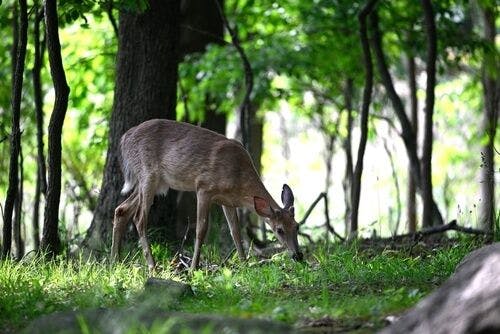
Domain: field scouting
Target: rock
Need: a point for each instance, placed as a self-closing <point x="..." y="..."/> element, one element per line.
<point x="131" y="320"/>
<point x="166" y="286"/>
<point x="468" y="302"/>
<point x="162" y="293"/>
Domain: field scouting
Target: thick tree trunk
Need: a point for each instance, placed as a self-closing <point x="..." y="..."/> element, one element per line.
<point x="411" y="211"/>
<point x="489" y="123"/>
<point x="146" y="80"/>
<point x="20" y="42"/>
<point x="427" y="197"/>
<point x="347" y="145"/>
<point x="201" y="25"/>
<point x="367" y="95"/>
<point x="41" y="182"/>
<point x="51" y="242"/>
<point x="407" y="134"/>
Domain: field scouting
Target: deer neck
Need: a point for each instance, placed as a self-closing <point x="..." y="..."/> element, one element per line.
<point x="258" y="190"/>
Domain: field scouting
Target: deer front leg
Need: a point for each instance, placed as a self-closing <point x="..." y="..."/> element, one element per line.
<point x="203" y="206"/>
<point x="234" y="227"/>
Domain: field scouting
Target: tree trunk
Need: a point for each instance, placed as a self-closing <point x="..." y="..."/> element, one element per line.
<point x="367" y="95"/>
<point x="412" y="189"/>
<point x="18" y="212"/>
<point x="36" y="215"/>
<point x="245" y="108"/>
<point x="347" y="144"/>
<point x="51" y="242"/>
<point x="41" y="182"/>
<point x="20" y="42"/>
<point x="146" y="80"/>
<point x="407" y="133"/>
<point x="489" y="123"/>
<point x="201" y="25"/>
<point x="427" y="197"/>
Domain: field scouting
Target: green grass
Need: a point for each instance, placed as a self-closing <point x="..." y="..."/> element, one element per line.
<point x="342" y="282"/>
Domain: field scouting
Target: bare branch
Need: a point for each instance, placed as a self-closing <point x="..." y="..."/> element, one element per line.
<point x="245" y="104"/>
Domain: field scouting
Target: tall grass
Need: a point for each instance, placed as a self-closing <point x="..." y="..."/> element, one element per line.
<point x="34" y="286"/>
<point x="342" y="282"/>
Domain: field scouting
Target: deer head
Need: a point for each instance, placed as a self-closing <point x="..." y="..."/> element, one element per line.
<point x="281" y="220"/>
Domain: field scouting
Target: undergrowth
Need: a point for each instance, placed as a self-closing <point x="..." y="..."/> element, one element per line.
<point x="336" y="281"/>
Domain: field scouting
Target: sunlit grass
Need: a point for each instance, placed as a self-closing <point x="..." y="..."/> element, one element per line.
<point x="34" y="286"/>
<point x="342" y="282"/>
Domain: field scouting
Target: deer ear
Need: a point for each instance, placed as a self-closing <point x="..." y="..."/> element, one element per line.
<point x="287" y="197"/>
<point x="262" y="207"/>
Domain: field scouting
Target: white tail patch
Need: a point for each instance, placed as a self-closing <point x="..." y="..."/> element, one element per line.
<point x="127" y="187"/>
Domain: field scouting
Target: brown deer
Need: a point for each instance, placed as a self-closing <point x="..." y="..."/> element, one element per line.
<point x="161" y="154"/>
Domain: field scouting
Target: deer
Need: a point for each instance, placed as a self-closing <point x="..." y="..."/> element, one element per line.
<point x="159" y="154"/>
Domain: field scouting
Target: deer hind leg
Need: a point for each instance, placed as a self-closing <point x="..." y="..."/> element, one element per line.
<point x="203" y="206"/>
<point x="234" y="227"/>
<point x="120" y="221"/>
<point x="146" y="195"/>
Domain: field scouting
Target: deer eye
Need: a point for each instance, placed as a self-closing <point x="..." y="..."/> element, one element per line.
<point x="280" y="231"/>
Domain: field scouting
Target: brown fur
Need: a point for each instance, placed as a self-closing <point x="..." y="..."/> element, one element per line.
<point x="162" y="154"/>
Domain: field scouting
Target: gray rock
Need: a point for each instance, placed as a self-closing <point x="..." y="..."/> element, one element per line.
<point x="468" y="302"/>
<point x="166" y="286"/>
<point x="131" y="320"/>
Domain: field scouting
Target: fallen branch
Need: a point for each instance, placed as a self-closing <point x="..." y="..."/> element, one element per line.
<point x="455" y="227"/>
<point x="451" y="226"/>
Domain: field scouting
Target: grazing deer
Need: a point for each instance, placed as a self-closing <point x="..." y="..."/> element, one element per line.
<point x="160" y="154"/>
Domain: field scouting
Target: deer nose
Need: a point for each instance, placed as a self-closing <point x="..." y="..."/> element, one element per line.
<point x="298" y="256"/>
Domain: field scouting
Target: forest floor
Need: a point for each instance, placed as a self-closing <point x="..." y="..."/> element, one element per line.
<point x="339" y="288"/>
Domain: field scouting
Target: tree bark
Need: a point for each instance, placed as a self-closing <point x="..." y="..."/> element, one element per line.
<point x="489" y="122"/>
<point x="367" y="94"/>
<point x="411" y="211"/>
<point x="20" y="43"/>
<point x="427" y="197"/>
<point x="201" y="25"/>
<point x="51" y="242"/>
<point x="347" y="144"/>
<point x="146" y="80"/>
<point x="41" y="182"/>
<point x="407" y="133"/>
<point x="18" y="212"/>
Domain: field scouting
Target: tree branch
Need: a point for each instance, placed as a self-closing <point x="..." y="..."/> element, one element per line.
<point x="323" y="196"/>
<point x="245" y="104"/>
<point x="367" y="95"/>
<point x="112" y="20"/>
